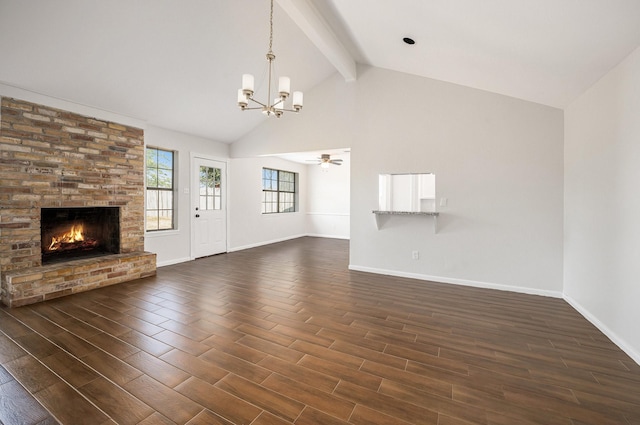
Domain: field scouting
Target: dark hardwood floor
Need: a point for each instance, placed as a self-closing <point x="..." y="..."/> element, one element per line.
<point x="286" y="334"/>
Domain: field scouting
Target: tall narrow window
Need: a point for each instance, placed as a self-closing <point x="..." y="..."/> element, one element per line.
<point x="279" y="191"/>
<point x="160" y="189"/>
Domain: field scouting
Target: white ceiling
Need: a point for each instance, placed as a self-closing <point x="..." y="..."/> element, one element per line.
<point x="178" y="64"/>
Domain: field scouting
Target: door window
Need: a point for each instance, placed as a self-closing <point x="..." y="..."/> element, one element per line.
<point x="210" y="190"/>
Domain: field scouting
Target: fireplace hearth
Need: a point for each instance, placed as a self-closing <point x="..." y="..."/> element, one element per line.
<point x="74" y="233"/>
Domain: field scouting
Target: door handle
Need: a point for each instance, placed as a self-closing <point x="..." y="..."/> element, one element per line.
<point x="197" y="215"/>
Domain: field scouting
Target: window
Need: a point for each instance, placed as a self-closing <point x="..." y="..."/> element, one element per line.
<point x="160" y="189"/>
<point x="210" y="191"/>
<point x="278" y="191"/>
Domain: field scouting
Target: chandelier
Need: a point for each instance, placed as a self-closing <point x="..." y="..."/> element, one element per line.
<point x="277" y="107"/>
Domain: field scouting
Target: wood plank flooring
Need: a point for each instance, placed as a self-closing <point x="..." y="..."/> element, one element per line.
<point x="286" y="334"/>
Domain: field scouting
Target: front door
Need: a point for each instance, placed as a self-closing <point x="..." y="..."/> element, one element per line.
<point x="209" y="208"/>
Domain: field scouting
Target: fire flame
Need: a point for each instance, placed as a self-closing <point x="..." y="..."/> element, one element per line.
<point x="73" y="235"/>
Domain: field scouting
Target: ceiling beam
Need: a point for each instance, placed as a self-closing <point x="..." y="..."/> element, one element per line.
<point x="305" y="15"/>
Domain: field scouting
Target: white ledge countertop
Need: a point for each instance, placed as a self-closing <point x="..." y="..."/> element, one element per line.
<point x="380" y="220"/>
<point x="406" y="212"/>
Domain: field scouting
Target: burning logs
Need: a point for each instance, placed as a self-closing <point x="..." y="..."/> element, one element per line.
<point x="74" y="239"/>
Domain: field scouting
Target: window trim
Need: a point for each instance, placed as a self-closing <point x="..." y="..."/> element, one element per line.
<point x="173" y="191"/>
<point x="278" y="191"/>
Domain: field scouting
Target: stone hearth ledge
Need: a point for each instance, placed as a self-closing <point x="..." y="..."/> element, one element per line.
<point x="36" y="284"/>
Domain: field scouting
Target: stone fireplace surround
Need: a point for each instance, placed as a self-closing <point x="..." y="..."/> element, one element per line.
<point x="54" y="158"/>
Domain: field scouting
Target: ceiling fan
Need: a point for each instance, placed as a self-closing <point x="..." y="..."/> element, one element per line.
<point x="325" y="160"/>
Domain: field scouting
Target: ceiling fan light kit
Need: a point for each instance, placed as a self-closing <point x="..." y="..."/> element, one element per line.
<point x="325" y="161"/>
<point x="277" y="107"/>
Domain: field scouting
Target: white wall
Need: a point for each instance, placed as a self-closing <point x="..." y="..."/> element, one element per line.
<point x="328" y="197"/>
<point x="248" y="227"/>
<point x="497" y="160"/>
<point x="602" y="205"/>
<point x="174" y="246"/>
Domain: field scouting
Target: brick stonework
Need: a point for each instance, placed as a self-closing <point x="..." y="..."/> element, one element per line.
<point x="29" y="286"/>
<point x="54" y="158"/>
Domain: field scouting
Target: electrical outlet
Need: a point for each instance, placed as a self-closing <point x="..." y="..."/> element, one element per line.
<point x="415" y="255"/>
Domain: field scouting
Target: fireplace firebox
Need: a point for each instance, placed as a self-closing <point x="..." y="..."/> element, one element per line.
<point x="74" y="233"/>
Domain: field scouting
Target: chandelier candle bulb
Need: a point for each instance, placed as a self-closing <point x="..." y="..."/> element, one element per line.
<point x="278" y="107"/>
<point x="284" y="86"/>
<point x="297" y="100"/>
<point x="247" y="83"/>
<point x="242" y="99"/>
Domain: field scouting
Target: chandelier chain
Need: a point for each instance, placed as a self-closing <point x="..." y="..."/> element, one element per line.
<point x="271" y="29"/>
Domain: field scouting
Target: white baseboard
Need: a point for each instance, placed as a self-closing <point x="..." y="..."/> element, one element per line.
<point x="257" y="244"/>
<point x="329" y="214"/>
<point x="317" y="235"/>
<point x="173" y="261"/>
<point x="462" y="282"/>
<point x="622" y="344"/>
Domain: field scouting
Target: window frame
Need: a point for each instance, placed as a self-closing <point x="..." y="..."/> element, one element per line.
<point x="279" y="192"/>
<point x="159" y="190"/>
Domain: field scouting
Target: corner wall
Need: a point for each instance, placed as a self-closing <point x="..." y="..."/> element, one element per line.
<point x="174" y="246"/>
<point x="248" y="227"/>
<point x="602" y="206"/>
<point x="328" y="199"/>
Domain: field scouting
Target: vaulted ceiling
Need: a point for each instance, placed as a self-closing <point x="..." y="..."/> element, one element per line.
<point x="178" y="64"/>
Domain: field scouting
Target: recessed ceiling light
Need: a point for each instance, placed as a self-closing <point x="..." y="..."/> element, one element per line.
<point x="409" y="40"/>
